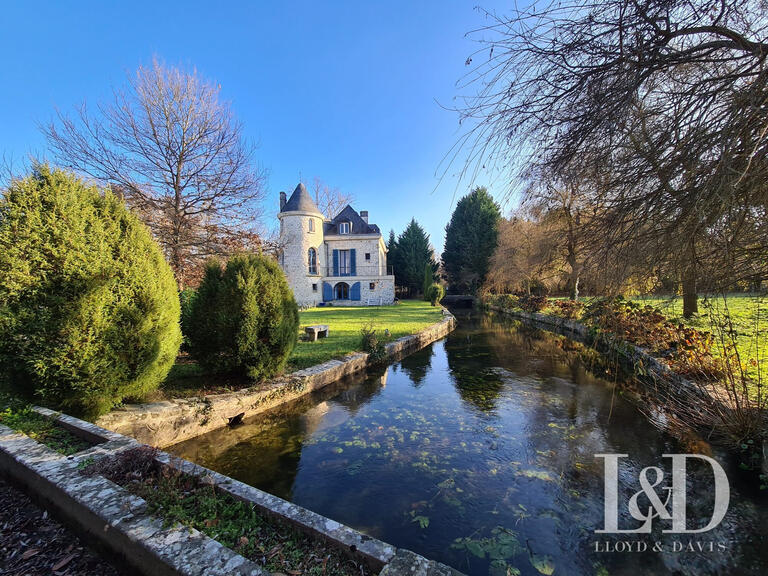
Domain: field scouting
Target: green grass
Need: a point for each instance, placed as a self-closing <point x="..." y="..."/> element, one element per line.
<point x="38" y="427"/>
<point x="407" y="317"/>
<point x="748" y="314"/>
<point x="187" y="379"/>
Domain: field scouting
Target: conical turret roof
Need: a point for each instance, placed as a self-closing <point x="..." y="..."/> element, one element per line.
<point x="300" y="201"/>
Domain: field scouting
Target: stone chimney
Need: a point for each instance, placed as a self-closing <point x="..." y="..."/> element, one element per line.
<point x="283" y="200"/>
<point x="364" y="215"/>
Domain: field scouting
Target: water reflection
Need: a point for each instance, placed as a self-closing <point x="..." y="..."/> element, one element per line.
<point x="416" y="366"/>
<point x="479" y="451"/>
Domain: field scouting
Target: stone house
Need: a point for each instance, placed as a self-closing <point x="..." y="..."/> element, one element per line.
<point x="340" y="261"/>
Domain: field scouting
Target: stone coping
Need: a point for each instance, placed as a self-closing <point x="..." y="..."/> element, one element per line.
<point x="110" y="516"/>
<point x="165" y="423"/>
<point x="119" y="521"/>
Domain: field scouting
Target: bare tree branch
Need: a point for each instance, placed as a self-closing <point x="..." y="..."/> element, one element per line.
<point x="177" y="155"/>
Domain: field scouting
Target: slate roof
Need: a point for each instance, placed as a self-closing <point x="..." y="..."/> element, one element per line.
<point x="300" y="201"/>
<point x="349" y="214"/>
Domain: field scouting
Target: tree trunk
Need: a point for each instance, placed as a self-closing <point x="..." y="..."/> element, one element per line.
<point x="690" y="296"/>
<point x="572" y="257"/>
<point x="574" y="291"/>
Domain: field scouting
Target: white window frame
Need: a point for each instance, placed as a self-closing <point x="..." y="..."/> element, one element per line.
<point x="345" y="227"/>
<point x="312" y="261"/>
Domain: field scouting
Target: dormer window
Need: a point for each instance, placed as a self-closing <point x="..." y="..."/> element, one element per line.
<point x="345" y="227"/>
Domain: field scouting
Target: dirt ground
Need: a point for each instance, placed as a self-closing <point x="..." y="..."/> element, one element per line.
<point x="34" y="544"/>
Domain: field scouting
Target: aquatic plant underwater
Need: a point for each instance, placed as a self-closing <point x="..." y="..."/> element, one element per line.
<point x="478" y="451"/>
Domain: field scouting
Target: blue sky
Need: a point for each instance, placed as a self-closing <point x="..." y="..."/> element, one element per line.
<point x="346" y="91"/>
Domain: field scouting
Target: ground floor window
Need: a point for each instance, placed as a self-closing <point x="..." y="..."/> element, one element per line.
<point x="372" y="286"/>
<point x="341" y="291"/>
<point x="314" y="287"/>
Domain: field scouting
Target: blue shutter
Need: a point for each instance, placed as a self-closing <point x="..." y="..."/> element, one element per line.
<point x="353" y="256"/>
<point x="327" y="292"/>
<point x="335" y="262"/>
<point x="354" y="291"/>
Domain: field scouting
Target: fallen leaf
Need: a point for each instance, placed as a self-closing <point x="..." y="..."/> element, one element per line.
<point x="59" y="565"/>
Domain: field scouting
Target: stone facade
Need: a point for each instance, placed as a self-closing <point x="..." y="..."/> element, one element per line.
<point x="340" y="261"/>
<point x="296" y="241"/>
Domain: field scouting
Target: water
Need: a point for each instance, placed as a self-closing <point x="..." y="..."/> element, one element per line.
<point x="478" y="451"/>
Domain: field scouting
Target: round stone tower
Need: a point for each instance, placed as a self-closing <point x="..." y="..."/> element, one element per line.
<point x="302" y="255"/>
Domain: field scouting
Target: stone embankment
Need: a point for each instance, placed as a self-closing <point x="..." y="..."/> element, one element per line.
<point x="165" y="423"/>
<point x="649" y="369"/>
<point x="112" y="518"/>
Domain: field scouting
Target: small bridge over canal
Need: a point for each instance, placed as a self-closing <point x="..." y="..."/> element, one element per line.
<point x="459" y="301"/>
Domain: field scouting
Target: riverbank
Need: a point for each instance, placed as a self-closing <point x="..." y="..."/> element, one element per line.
<point x="171" y="421"/>
<point x="671" y="399"/>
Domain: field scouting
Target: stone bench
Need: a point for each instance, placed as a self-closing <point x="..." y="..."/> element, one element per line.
<point x="317" y="331"/>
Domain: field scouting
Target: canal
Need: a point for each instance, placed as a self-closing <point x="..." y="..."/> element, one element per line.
<point x="480" y="451"/>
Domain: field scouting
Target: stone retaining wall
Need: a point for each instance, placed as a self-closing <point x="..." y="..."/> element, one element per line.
<point x="165" y="423"/>
<point x="657" y="376"/>
<point x="117" y="520"/>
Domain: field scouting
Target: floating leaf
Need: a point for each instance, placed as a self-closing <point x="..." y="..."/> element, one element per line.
<point x="542" y="562"/>
<point x="538" y="474"/>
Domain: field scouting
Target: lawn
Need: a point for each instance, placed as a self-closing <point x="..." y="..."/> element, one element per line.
<point x="407" y="317"/>
<point x="748" y="314"/>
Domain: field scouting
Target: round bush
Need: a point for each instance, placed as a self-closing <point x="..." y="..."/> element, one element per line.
<point x="435" y="293"/>
<point x="89" y="310"/>
<point x="244" y="318"/>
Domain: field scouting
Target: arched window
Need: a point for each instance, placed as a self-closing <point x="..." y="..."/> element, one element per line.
<point x="312" y="260"/>
<point x="311" y="225"/>
<point x="341" y="291"/>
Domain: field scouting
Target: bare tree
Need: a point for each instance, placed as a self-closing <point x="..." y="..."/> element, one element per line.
<point x="330" y="200"/>
<point x="669" y="98"/>
<point x="177" y="154"/>
<point x="525" y="257"/>
<point x="561" y="203"/>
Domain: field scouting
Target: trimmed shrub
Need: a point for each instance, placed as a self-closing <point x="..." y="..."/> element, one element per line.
<point x="429" y="279"/>
<point x="435" y="293"/>
<point x="89" y="309"/>
<point x="186" y="297"/>
<point x="243" y="319"/>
